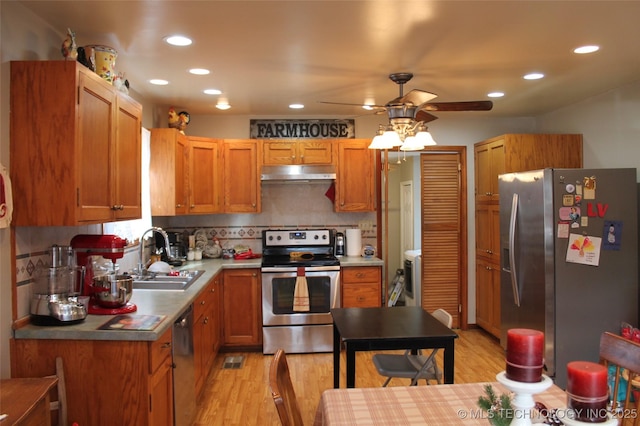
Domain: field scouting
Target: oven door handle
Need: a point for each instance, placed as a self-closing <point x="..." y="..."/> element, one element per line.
<point x="306" y="269"/>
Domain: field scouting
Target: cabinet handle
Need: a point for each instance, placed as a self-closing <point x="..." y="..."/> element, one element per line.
<point x="360" y="299"/>
<point x="202" y="303"/>
<point x="489" y="251"/>
<point x="359" y="275"/>
<point x="254" y="275"/>
<point x="293" y="157"/>
<point x="488" y="268"/>
<point x="253" y="204"/>
<point x="487" y="193"/>
<point x="166" y="345"/>
<point x="205" y="320"/>
<point x="193" y="206"/>
<point x="178" y="206"/>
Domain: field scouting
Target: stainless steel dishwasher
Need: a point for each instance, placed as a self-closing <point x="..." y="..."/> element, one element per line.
<point x="184" y="386"/>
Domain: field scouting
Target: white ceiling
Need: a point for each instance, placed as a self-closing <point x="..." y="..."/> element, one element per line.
<point x="265" y="55"/>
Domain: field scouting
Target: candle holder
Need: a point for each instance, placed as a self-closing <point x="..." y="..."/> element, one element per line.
<point x="523" y="396"/>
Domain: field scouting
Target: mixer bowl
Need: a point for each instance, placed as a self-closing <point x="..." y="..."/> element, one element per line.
<point x="112" y="291"/>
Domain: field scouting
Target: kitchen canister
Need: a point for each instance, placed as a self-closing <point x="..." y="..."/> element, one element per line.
<point x="104" y="58"/>
<point x="354" y="242"/>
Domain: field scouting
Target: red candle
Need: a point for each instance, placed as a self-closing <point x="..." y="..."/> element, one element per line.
<point x="587" y="391"/>
<point x="525" y="350"/>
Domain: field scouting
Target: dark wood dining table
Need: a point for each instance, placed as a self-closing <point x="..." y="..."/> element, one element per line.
<point x="388" y="328"/>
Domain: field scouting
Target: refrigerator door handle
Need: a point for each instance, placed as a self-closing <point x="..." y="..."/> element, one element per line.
<point x="512" y="252"/>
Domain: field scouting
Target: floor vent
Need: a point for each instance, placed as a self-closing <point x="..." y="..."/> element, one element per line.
<point x="233" y="362"/>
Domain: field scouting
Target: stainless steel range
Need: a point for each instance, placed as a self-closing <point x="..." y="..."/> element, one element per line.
<point x="300" y="286"/>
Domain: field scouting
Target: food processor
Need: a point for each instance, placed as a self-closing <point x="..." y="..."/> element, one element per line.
<point x="56" y="288"/>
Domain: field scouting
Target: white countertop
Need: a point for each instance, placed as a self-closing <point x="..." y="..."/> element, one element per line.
<point x="169" y="303"/>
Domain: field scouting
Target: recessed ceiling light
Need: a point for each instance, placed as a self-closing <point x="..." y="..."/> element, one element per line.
<point x="533" y="76"/>
<point x="367" y="107"/>
<point x="586" y="49"/>
<point x="178" y="40"/>
<point x="212" y="91"/>
<point x="495" y="94"/>
<point x="199" y="71"/>
<point x="296" y="106"/>
<point x="158" y="82"/>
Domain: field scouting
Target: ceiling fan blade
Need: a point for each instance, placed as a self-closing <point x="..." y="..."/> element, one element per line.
<point x="349" y="104"/>
<point x="459" y="106"/>
<point x="416" y="97"/>
<point x="424" y="116"/>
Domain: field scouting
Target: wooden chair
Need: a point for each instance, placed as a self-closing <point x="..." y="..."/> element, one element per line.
<point x="282" y="391"/>
<point x="625" y="355"/>
<point x="60" y="405"/>
<point x="414" y="367"/>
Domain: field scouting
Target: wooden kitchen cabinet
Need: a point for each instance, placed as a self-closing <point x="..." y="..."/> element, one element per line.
<point x="488" y="232"/>
<point x="75" y="146"/>
<point x="355" y="176"/>
<point x="186" y="174"/>
<point x="361" y="287"/>
<point x="206" y="330"/>
<point x="276" y="152"/>
<point x="488" y="296"/>
<point x="161" y="381"/>
<point x="168" y="172"/>
<point x="242" y="308"/>
<point x="242" y="160"/>
<point x="205" y="176"/>
<point x="108" y="381"/>
<point x="507" y="154"/>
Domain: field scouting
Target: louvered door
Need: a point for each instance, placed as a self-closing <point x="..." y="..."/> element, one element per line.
<point x="444" y="230"/>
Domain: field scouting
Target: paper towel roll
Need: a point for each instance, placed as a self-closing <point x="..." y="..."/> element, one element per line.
<point x="354" y="242"/>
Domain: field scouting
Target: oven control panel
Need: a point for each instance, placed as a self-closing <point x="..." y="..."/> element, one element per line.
<point x="298" y="237"/>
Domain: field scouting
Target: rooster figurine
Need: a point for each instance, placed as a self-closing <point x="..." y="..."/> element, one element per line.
<point x="69" y="48"/>
<point x="178" y="120"/>
<point x="174" y="120"/>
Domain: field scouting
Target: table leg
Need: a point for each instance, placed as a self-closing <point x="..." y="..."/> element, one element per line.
<point x="336" y="357"/>
<point x="448" y="361"/>
<point x="351" y="366"/>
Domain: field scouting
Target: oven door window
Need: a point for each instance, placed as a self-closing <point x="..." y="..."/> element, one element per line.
<point x="319" y="294"/>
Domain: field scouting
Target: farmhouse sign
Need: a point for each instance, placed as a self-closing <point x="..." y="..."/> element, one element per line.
<point x="302" y="129"/>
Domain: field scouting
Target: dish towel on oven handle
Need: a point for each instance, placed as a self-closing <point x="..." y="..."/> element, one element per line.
<point x="301" y="293"/>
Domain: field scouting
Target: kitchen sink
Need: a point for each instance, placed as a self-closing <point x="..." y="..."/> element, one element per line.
<point x="159" y="281"/>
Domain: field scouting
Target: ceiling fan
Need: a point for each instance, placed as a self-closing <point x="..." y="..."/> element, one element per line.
<point x="416" y="104"/>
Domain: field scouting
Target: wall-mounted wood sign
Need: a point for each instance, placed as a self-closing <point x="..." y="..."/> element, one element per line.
<point x="302" y="129"/>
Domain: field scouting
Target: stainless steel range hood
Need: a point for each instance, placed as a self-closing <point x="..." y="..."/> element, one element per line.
<point x="298" y="174"/>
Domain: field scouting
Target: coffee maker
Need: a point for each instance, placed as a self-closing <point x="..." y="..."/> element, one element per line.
<point x="340" y="244"/>
<point x="56" y="289"/>
<point x="90" y="250"/>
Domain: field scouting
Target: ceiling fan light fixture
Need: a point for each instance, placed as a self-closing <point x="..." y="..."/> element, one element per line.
<point x="223" y="105"/>
<point x="385" y="138"/>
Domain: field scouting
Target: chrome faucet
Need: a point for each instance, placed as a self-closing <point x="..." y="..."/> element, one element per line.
<point x="141" y="263"/>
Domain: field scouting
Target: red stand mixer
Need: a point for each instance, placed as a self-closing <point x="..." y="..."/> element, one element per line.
<point x="96" y="283"/>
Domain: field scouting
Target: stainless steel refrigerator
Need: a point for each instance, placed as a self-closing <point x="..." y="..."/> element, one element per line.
<point x="569" y="258"/>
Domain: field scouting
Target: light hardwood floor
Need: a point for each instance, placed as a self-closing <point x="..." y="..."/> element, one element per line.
<point x="242" y="396"/>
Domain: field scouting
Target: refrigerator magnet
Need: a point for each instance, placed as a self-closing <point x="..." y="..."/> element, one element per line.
<point x="611" y="235"/>
<point x="569" y="214"/>
<point x="563" y="230"/>
<point x="570" y="188"/>
<point x="584" y="249"/>
<point x="567" y="200"/>
<point x="589" y="188"/>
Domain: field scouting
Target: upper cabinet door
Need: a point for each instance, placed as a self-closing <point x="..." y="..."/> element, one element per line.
<point x="355" y="184"/>
<point x="205" y="186"/>
<point x="128" y="157"/>
<point x="241" y="176"/>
